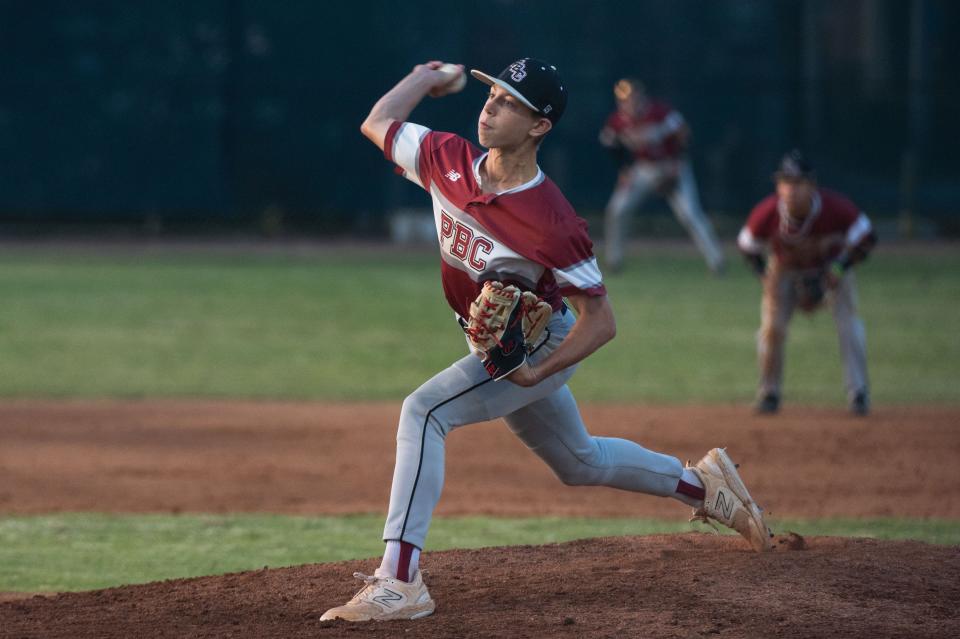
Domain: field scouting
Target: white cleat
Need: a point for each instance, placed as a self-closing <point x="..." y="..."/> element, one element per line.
<point x="384" y="598"/>
<point x="727" y="500"/>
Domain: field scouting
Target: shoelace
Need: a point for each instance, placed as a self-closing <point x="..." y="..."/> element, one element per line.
<point x="370" y="582"/>
<point x="701" y="516"/>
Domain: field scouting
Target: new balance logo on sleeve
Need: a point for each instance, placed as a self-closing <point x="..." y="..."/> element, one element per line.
<point x="452" y="175"/>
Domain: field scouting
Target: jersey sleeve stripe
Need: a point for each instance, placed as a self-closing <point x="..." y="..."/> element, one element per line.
<point x="405" y="149"/>
<point x="389" y="138"/>
<point x="748" y="243"/>
<point x="583" y="276"/>
<point x="859" y="230"/>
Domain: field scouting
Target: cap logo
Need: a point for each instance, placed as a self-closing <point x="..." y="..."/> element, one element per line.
<point x="518" y="70"/>
<point x="547" y="109"/>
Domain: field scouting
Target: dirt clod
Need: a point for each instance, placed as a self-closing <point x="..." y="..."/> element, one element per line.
<point x="790" y="541"/>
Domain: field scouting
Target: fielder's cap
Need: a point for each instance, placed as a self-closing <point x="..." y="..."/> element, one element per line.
<point x="534" y="82"/>
<point x="794" y="166"/>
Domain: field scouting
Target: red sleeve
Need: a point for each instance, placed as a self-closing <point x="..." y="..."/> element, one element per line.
<point x="763" y="218"/>
<point x="839" y="211"/>
<point x="583" y="275"/>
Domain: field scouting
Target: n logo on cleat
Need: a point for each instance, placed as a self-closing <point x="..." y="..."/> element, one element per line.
<point x="386" y="598"/>
<point x="724" y="504"/>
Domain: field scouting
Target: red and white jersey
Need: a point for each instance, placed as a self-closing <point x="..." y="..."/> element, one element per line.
<point x="652" y="135"/>
<point x="834" y="225"/>
<point x="529" y="235"/>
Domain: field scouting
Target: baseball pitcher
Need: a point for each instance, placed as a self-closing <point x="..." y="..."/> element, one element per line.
<point x="814" y="236"/>
<point x="518" y="270"/>
<point x="648" y="139"/>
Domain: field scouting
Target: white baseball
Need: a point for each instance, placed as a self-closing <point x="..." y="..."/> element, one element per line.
<point x="458" y="79"/>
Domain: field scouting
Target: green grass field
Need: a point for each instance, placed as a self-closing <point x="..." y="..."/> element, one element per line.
<point x="86" y="551"/>
<point x="319" y="326"/>
<point x="331" y="324"/>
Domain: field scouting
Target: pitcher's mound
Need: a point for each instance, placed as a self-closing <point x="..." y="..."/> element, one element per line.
<point x="690" y="585"/>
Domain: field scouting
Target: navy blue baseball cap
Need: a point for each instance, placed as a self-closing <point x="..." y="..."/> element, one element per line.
<point x="795" y="166"/>
<point x="535" y="83"/>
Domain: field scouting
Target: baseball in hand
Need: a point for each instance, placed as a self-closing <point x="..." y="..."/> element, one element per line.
<point x="457" y="79"/>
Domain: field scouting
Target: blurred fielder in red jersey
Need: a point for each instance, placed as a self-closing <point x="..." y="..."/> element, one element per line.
<point x="649" y="139"/>
<point x="814" y="236"/>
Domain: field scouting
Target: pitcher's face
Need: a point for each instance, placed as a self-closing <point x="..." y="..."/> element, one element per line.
<point x="505" y="121"/>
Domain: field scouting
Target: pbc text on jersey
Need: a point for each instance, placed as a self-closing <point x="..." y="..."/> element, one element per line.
<point x="461" y="242"/>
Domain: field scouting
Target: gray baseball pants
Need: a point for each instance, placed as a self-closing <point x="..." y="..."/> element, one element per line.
<point x="545" y="417"/>
<point x="641" y="179"/>
<point x="777" y="308"/>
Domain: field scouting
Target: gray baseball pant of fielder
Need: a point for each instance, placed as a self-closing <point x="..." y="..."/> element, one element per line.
<point x="779" y="303"/>
<point x="545" y="417"/>
<point x="683" y="199"/>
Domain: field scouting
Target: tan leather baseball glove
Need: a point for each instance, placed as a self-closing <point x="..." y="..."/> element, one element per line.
<point x="504" y="325"/>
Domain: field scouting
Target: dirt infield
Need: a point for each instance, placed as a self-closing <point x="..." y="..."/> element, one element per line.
<point x="166" y="456"/>
<point x="692" y="585"/>
<point x="150" y="456"/>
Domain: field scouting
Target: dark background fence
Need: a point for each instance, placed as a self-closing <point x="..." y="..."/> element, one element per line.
<point x="245" y="113"/>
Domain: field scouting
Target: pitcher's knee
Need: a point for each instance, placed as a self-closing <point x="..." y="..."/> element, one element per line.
<point x="576" y="477"/>
<point x="585" y="470"/>
<point x="416" y="414"/>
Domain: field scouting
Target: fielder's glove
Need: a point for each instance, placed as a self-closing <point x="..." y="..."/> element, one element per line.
<point x="810" y="290"/>
<point x="504" y="325"/>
